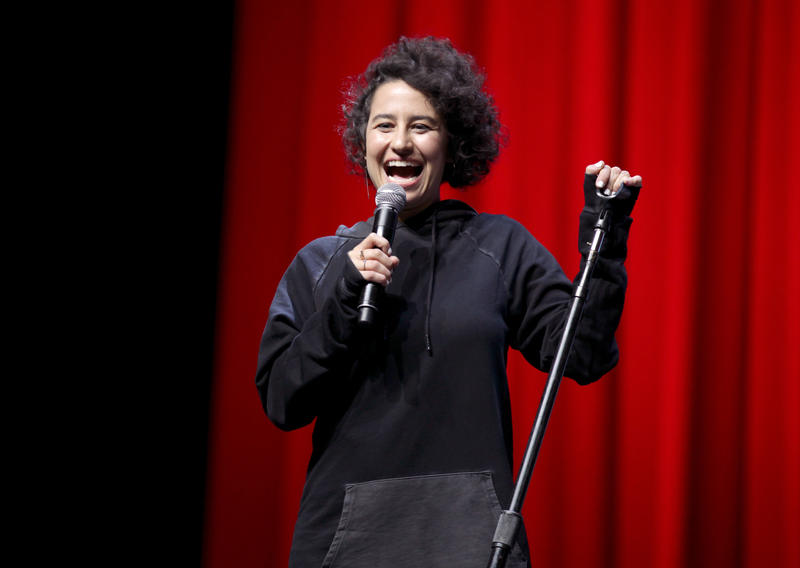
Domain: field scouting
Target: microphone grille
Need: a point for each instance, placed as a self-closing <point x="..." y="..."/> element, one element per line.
<point x="391" y="194"/>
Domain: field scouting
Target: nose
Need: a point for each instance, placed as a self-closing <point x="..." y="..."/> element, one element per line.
<point x="401" y="141"/>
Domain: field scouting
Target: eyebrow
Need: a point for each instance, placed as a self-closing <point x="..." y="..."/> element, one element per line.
<point x="411" y="119"/>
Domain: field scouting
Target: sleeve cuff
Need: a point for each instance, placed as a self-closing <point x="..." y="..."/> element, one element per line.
<point x="351" y="282"/>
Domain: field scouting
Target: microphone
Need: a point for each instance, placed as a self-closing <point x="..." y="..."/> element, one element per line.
<point x="390" y="199"/>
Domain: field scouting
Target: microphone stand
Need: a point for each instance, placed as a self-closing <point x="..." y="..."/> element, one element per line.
<point x="510" y="521"/>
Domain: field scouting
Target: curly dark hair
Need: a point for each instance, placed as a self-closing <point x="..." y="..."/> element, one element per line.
<point x="454" y="84"/>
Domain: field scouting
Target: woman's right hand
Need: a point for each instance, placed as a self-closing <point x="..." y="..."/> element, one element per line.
<point x="373" y="259"/>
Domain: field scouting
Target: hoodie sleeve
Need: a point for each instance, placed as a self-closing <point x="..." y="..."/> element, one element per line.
<point x="541" y="296"/>
<point x="306" y="345"/>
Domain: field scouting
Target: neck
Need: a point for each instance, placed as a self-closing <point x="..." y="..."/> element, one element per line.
<point x="409" y="213"/>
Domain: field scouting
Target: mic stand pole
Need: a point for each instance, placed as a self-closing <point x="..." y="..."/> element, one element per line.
<point x="510" y="521"/>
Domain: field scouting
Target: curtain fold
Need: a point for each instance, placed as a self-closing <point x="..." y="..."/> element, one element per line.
<point x="688" y="453"/>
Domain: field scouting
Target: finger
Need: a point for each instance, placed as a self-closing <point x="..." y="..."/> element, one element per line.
<point x="635" y="181"/>
<point x="377" y="272"/>
<point x="621" y="177"/>
<point x="374" y="241"/>
<point x="373" y="264"/>
<point x="602" y="177"/>
<point x="376" y="255"/>
<point x="593" y="169"/>
<point x="613" y="174"/>
<point x="376" y="267"/>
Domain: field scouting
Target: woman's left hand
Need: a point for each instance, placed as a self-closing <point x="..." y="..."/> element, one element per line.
<point x="612" y="178"/>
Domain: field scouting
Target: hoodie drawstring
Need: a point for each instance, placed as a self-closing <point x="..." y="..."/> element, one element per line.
<point x="430" y="287"/>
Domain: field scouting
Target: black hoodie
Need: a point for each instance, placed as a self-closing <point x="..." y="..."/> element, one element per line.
<point x="412" y="448"/>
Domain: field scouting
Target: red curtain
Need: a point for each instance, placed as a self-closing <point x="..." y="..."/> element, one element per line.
<point x="687" y="454"/>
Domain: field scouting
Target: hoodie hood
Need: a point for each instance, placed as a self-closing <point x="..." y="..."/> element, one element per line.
<point x="421" y="223"/>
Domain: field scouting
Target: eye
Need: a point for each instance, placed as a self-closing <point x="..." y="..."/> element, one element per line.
<point x="421" y="127"/>
<point x="384" y="126"/>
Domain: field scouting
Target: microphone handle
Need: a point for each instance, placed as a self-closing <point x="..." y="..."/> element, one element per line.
<point x="384" y="226"/>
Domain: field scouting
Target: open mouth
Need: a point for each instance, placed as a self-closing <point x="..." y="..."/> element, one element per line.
<point x="402" y="171"/>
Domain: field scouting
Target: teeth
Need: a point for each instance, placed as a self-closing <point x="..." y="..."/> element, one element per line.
<point x="401" y="164"/>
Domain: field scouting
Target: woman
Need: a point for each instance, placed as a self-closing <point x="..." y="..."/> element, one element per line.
<point x="412" y="450"/>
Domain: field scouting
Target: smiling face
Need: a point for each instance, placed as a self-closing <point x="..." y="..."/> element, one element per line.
<point x="406" y="144"/>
